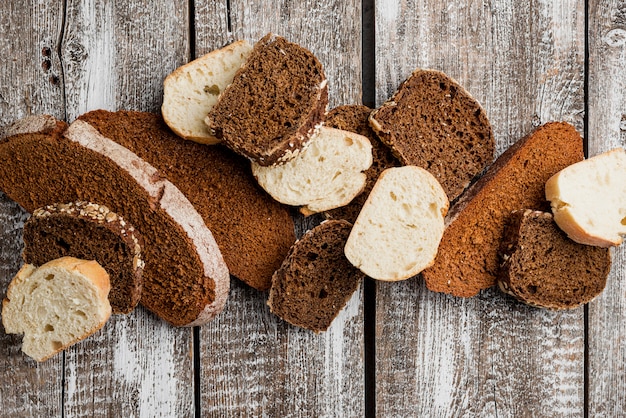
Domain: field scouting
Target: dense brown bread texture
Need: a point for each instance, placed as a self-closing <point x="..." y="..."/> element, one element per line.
<point x="253" y="231"/>
<point x="467" y="259"/>
<point x="544" y="268"/>
<point x="354" y="118"/>
<point x="316" y="280"/>
<point x="433" y="123"/>
<point x="185" y="280"/>
<point x="89" y="231"/>
<point x="274" y="103"/>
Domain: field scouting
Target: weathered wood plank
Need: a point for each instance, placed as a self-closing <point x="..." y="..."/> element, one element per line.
<point x="488" y="356"/>
<point x="115" y="56"/>
<point x="253" y="364"/>
<point x="607" y="130"/>
<point x="30" y="83"/>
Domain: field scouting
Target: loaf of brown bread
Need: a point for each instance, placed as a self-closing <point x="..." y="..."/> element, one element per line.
<point x="433" y="123"/>
<point x="185" y="279"/>
<point x="354" y="118"/>
<point x="253" y="231"/>
<point x="316" y="280"/>
<point x="544" y="268"/>
<point x="276" y="100"/>
<point x="89" y="231"/>
<point x="467" y="259"/>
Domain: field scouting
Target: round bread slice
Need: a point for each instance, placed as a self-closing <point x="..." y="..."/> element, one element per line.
<point x="544" y="268"/>
<point x="193" y="89"/>
<point x="434" y="123"/>
<point x="56" y="305"/>
<point x="89" y="231"/>
<point x="588" y="199"/>
<point x="326" y="175"/>
<point x="397" y="233"/>
<point x="274" y="104"/>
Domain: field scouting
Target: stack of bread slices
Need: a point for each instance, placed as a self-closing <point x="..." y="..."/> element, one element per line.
<point x="168" y="205"/>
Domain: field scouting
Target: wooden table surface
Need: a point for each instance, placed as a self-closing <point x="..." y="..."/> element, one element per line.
<point x="397" y="350"/>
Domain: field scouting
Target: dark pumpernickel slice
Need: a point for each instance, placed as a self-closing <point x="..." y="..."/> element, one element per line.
<point x="432" y="122"/>
<point x="544" y="268"/>
<point x="276" y="100"/>
<point x="316" y="280"/>
<point x="89" y="231"/>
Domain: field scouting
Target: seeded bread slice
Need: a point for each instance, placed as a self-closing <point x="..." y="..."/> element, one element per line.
<point x="354" y="118"/>
<point x="544" y="268"/>
<point x="185" y="279"/>
<point x="275" y="102"/>
<point x="467" y="260"/>
<point x="56" y="305"/>
<point x="90" y="232"/>
<point x="193" y="89"/>
<point x="433" y="123"/>
<point x="315" y="281"/>
<point x="588" y="199"/>
<point x="397" y="233"/>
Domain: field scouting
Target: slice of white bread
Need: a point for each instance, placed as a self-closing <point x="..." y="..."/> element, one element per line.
<point x="56" y="305"/>
<point x="193" y="89"/>
<point x="588" y="199"/>
<point x="398" y="230"/>
<point x="328" y="174"/>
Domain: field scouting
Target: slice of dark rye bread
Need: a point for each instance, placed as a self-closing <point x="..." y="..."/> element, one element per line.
<point x="185" y="279"/>
<point x="544" y="268"/>
<point x="89" y="231"/>
<point x="253" y="231"/>
<point x="467" y="258"/>
<point x="316" y="280"/>
<point x="354" y="118"/>
<point x="276" y="100"/>
<point x="433" y="123"/>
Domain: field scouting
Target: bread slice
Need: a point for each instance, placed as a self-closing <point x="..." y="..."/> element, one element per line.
<point x="315" y="281"/>
<point x="56" y="305"/>
<point x="193" y="89"/>
<point x="275" y="102"/>
<point x="544" y="268"/>
<point x="354" y="118"/>
<point x="467" y="261"/>
<point x="588" y="199"/>
<point x="89" y="231"/>
<point x="327" y="175"/>
<point x="397" y="233"/>
<point x="253" y="232"/>
<point x="185" y="279"/>
<point x="433" y="123"/>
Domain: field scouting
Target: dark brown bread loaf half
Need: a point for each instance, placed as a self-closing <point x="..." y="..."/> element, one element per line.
<point x="274" y="103"/>
<point x="89" y="231"/>
<point x="316" y="280"/>
<point x="467" y="259"/>
<point x="253" y="231"/>
<point x="544" y="268"/>
<point x="354" y="118"/>
<point x="433" y="123"/>
<point x="185" y="279"/>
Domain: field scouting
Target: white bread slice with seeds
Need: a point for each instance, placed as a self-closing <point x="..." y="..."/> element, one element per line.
<point x="56" y="305"/>
<point x="588" y="199"/>
<point x="398" y="230"/>
<point x="193" y="89"/>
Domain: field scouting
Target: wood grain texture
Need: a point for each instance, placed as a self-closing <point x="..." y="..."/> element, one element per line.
<point x="254" y="364"/>
<point x="487" y="356"/>
<point x="607" y="130"/>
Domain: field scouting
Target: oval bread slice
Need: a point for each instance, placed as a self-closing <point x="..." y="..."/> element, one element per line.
<point x="588" y="199"/>
<point x="398" y="231"/>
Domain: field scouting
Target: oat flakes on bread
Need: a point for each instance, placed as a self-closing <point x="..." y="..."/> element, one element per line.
<point x="193" y="89"/>
<point x="56" y="305"/>
<point x="588" y="199"/>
